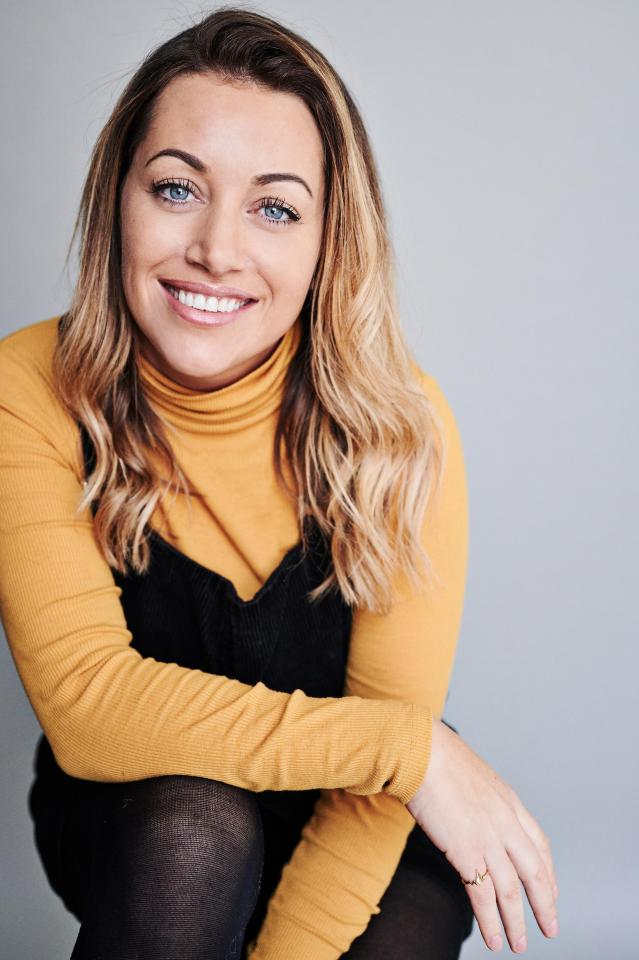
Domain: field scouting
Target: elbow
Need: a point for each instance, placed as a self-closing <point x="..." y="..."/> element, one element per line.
<point x="69" y="760"/>
<point x="76" y="755"/>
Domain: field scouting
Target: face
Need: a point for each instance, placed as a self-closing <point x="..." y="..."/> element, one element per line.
<point x="235" y="221"/>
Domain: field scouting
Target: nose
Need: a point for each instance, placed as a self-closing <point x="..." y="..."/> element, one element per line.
<point x="218" y="240"/>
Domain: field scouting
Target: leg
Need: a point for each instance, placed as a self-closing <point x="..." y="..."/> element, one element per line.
<point x="418" y="920"/>
<point x="159" y="868"/>
<point x="425" y="911"/>
<point x="281" y="836"/>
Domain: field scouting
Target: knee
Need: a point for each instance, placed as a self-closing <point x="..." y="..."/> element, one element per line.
<point x="199" y="824"/>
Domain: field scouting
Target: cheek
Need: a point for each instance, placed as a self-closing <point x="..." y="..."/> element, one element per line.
<point x="146" y="236"/>
<point x="133" y="242"/>
<point x="287" y="264"/>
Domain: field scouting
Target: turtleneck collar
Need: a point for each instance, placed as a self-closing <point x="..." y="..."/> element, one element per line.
<point x="252" y="398"/>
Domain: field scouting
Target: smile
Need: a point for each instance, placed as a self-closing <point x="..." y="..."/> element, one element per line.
<point x="204" y="311"/>
<point x="208" y="304"/>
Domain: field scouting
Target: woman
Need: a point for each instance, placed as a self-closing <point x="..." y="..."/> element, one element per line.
<point x="223" y="479"/>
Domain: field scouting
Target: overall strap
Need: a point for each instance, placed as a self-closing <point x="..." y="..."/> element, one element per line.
<point x="88" y="454"/>
<point x="88" y="451"/>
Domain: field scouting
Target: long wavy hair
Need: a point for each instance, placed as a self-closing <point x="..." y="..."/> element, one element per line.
<point x="364" y="444"/>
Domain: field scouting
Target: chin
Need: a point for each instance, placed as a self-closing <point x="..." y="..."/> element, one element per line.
<point x="199" y="369"/>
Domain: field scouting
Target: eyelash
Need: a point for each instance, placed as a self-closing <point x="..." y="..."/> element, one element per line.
<point x="265" y="202"/>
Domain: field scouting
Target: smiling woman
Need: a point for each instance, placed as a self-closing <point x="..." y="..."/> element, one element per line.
<point x="240" y="686"/>
<point x="217" y="222"/>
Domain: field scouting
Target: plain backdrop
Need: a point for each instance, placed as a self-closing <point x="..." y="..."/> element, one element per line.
<point x="507" y="140"/>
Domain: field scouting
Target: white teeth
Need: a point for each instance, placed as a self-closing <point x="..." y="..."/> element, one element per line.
<point x="208" y="304"/>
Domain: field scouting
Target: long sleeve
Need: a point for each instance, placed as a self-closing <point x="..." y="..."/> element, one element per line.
<point x="111" y="714"/>
<point x="349" y="849"/>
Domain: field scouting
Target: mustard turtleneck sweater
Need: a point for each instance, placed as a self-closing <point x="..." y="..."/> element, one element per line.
<point x="112" y="715"/>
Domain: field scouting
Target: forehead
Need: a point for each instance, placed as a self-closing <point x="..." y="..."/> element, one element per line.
<point x="236" y="126"/>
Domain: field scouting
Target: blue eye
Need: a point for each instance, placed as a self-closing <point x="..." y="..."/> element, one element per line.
<point x="160" y="185"/>
<point x="177" y="186"/>
<point x="279" y="213"/>
<point x="278" y="210"/>
<point x="277" y="205"/>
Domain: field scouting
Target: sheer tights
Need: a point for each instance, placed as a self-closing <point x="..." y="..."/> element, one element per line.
<point x="171" y="870"/>
<point x="182" y="868"/>
<point x="419" y="920"/>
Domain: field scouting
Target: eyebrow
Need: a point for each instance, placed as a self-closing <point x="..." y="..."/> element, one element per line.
<point x="261" y="180"/>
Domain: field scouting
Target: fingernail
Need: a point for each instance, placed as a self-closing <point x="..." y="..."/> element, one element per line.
<point x="521" y="944"/>
<point x="495" y="942"/>
<point x="553" y="929"/>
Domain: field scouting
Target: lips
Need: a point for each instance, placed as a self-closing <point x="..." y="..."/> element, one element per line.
<point x="202" y="318"/>
<point x="208" y="289"/>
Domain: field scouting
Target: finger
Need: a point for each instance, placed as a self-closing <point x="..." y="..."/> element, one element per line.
<point x="484" y="903"/>
<point x="533" y="874"/>
<point x="531" y="826"/>
<point x="540" y="840"/>
<point x="509" y="898"/>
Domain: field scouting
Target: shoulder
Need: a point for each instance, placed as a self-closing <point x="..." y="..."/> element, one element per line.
<point x="452" y="499"/>
<point x="28" y="353"/>
<point x="31" y="347"/>
<point x="439" y="401"/>
<point x="29" y="399"/>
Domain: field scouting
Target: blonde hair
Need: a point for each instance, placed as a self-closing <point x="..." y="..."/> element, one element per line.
<point x="363" y="442"/>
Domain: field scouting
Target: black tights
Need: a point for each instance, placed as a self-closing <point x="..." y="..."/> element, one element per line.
<point x="181" y="868"/>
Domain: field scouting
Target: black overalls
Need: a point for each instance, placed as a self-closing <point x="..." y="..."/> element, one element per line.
<point x="182" y="612"/>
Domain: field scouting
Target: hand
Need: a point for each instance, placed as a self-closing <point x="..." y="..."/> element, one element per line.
<point x="478" y="822"/>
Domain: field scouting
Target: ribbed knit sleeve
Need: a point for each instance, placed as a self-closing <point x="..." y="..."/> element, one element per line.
<point x="350" y="847"/>
<point x="111" y="714"/>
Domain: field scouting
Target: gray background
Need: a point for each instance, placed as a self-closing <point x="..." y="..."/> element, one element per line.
<point x="506" y="134"/>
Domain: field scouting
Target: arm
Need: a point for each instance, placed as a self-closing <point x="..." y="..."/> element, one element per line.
<point x="350" y="847"/>
<point x="111" y="714"/>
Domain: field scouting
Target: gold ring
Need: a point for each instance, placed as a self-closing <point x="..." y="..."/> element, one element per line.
<point x="478" y="877"/>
